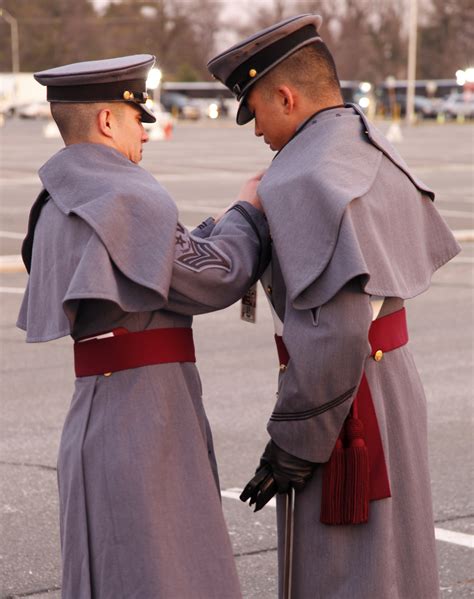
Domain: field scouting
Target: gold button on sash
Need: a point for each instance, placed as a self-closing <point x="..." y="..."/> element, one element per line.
<point x="107" y="374"/>
<point x="282" y="367"/>
<point x="378" y="355"/>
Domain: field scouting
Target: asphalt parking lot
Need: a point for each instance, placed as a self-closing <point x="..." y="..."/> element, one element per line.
<point x="202" y="166"/>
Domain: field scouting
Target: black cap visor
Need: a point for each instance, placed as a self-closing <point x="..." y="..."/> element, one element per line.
<point x="244" y="114"/>
<point x="148" y="116"/>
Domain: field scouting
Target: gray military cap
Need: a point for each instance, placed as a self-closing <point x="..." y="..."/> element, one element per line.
<point x="120" y="79"/>
<point x="242" y="65"/>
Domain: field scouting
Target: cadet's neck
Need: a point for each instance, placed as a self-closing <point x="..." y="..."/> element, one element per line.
<point x="312" y="107"/>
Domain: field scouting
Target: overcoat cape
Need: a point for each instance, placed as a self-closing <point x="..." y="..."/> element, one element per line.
<point x="348" y="222"/>
<point x="121" y="203"/>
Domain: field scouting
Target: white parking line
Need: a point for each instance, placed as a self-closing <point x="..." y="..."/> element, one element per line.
<point x="201" y="175"/>
<point x="23" y="180"/>
<point x="11" y="235"/>
<point x="448" y="536"/>
<point x="463" y="260"/>
<point x="11" y="264"/>
<point x="13" y="290"/>
<point x="234" y="493"/>
<point x="461" y="213"/>
<point x="464" y="234"/>
<point x="452" y="167"/>
<point x="457" y="538"/>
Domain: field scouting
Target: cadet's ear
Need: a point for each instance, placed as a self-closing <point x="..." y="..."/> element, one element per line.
<point x="286" y="98"/>
<point x="104" y="121"/>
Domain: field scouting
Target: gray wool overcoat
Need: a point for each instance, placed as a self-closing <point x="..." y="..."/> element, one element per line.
<point x="350" y="223"/>
<point x="140" y="509"/>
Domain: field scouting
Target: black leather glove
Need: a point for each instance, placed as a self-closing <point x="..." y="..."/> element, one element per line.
<point x="277" y="472"/>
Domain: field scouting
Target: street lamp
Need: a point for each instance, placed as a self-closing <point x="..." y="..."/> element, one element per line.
<point x="153" y="82"/>
<point x="410" y="110"/>
<point x="466" y="76"/>
<point x="4" y="14"/>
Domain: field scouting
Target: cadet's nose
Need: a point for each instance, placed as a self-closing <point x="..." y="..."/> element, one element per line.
<point x="258" y="131"/>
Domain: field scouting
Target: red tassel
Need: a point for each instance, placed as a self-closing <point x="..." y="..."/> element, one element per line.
<point x="333" y="487"/>
<point x="345" y="486"/>
<point x="356" y="491"/>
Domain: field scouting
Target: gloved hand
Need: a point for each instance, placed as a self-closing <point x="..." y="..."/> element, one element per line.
<point x="277" y="472"/>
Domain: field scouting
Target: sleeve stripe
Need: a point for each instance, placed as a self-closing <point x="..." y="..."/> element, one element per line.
<point x="282" y="416"/>
<point x="241" y="210"/>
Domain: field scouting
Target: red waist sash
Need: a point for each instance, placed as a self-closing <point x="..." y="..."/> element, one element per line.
<point x="126" y="350"/>
<point x="385" y="334"/>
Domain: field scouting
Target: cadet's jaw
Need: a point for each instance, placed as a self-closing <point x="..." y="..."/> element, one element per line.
<point x="270" y="120"/>
<point x="130" y="135"/>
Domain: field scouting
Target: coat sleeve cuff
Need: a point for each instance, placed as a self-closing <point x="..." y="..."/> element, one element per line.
<point x="252" y="215"/>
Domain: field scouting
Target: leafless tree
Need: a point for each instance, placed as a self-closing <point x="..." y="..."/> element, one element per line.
<point x="368" y="38"/>
<point x="446" y="39"/>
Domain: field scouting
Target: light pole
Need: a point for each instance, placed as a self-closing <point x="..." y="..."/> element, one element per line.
<point x="410" y="110"/>
<point x="15" y="43"/>
<point x="153" y="83"/>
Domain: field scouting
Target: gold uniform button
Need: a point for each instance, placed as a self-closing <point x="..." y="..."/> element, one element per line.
<point x="282" y="367"/>
<point x="252" y="73"/>
<point x="269" y="290"/>
<point x="107" y="374"/>
<point x="378" y="355"/>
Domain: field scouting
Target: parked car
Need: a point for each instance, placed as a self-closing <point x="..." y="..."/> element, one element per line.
<point x="424" y="107"/>
<point x="180" y="105"/>
<point x="163" y="127"/>
<point x="458" y="105"/>
<point x="428" y="108"/>
<point x="34" y="110"/>
<point x="213" y="108"/>
<point x="6" y="108"/>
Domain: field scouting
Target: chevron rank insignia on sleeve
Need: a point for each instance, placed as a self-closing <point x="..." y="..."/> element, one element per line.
<point x="197" y="254"/>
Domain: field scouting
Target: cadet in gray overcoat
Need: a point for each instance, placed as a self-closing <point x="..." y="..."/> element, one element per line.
<point x="355" y="235"/>
<point x="108" y="264"/>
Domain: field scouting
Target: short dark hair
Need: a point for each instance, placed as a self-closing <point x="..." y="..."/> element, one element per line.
<point x="312" y="69"/>
<point x="75" y="120"/>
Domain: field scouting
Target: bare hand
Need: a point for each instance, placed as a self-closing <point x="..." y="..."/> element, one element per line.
<point x="247" y="193"/>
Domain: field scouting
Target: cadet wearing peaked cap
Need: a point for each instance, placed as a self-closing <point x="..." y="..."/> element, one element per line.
<point x="242" y="65"/>
<point x="120" y="79"/>
<point x="354" y="235"/>
<point x="110" y="265"/>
